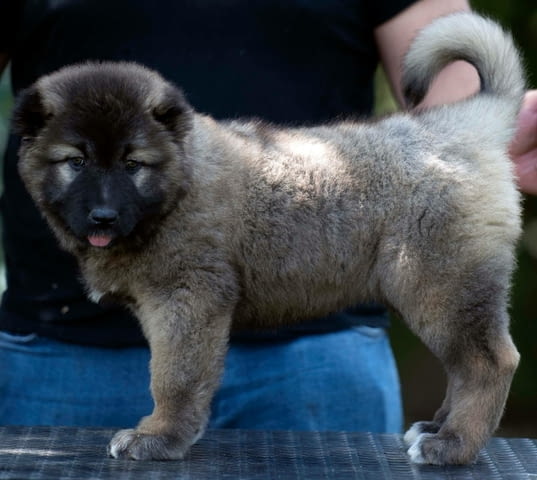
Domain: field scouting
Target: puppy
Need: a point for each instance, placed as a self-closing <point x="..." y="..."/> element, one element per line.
<point x="200" y="226"/>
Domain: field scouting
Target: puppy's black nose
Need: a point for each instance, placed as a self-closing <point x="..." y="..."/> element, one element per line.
<point x="103" y="215"/>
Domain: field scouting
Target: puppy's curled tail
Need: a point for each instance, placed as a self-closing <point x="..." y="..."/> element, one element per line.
<point x="463" y="36"/>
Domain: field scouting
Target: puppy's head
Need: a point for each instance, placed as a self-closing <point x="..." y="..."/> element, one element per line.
<point x="102" y="151"/>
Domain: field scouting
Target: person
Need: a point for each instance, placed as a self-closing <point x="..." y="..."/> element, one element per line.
<point x="65" y="360"/>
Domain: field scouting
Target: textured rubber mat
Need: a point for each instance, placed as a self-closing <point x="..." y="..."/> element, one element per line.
<point x="28" y="453"/>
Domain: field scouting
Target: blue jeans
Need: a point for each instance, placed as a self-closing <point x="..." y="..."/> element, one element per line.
<point x="345" y="380"/>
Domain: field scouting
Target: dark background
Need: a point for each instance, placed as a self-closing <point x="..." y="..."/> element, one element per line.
<point x="422" y="379"/>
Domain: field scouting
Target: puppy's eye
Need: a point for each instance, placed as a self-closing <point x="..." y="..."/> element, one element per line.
<point x="77" y="163"/>
<point x="132" y="166"/>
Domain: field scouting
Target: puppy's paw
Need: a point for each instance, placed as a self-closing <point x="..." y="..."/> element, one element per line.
<point x="417" y="429"/>
<point x="438" y="449"/>
<point x="414" y="451"/>
<point x="135" y="445"/>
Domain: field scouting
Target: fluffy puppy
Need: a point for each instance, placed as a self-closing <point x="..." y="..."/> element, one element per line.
<point x="199" y="225"/>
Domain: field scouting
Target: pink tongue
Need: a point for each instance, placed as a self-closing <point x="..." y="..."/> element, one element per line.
<point x="99" y="240"/>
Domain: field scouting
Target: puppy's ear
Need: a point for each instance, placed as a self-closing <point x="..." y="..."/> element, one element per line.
<point x="29" y="114"/>
<point x="173" y="111"/>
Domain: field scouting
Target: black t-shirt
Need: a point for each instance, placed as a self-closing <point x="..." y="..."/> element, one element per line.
<point x="286" y="61"/>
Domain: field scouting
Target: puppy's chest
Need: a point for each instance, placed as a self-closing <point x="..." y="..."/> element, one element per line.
<point x="112" y="298"/>
<point x="109" y="285"/>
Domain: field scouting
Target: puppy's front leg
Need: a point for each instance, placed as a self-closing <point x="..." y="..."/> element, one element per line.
<point x="188" y="345"/>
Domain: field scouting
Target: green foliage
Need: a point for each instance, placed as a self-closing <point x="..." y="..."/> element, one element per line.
<point x="520" y="17"/>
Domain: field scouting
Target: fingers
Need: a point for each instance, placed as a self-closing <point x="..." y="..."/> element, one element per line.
<point x="523" y="149"/>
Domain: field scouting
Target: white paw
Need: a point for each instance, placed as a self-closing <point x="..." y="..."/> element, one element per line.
<point x="119" y="444"/>
<point x="412" y="434"/>
<point x="414" y="452"/>
<point x="136" y="445"/>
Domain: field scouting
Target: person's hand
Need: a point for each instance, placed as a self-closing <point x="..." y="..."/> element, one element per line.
<point x="523" y="149"/>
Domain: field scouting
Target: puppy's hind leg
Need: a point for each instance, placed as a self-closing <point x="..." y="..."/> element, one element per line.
<point x="465" y="323"/>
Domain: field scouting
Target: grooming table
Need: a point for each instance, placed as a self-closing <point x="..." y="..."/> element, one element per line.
<point x="60" y="453"/>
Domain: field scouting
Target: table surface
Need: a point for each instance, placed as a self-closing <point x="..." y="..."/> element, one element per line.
<point x="59" y="453"/>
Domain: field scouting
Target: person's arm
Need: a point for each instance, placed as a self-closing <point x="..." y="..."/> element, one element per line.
<point x="456" y="81"/>
<point x="393" y="38"/>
